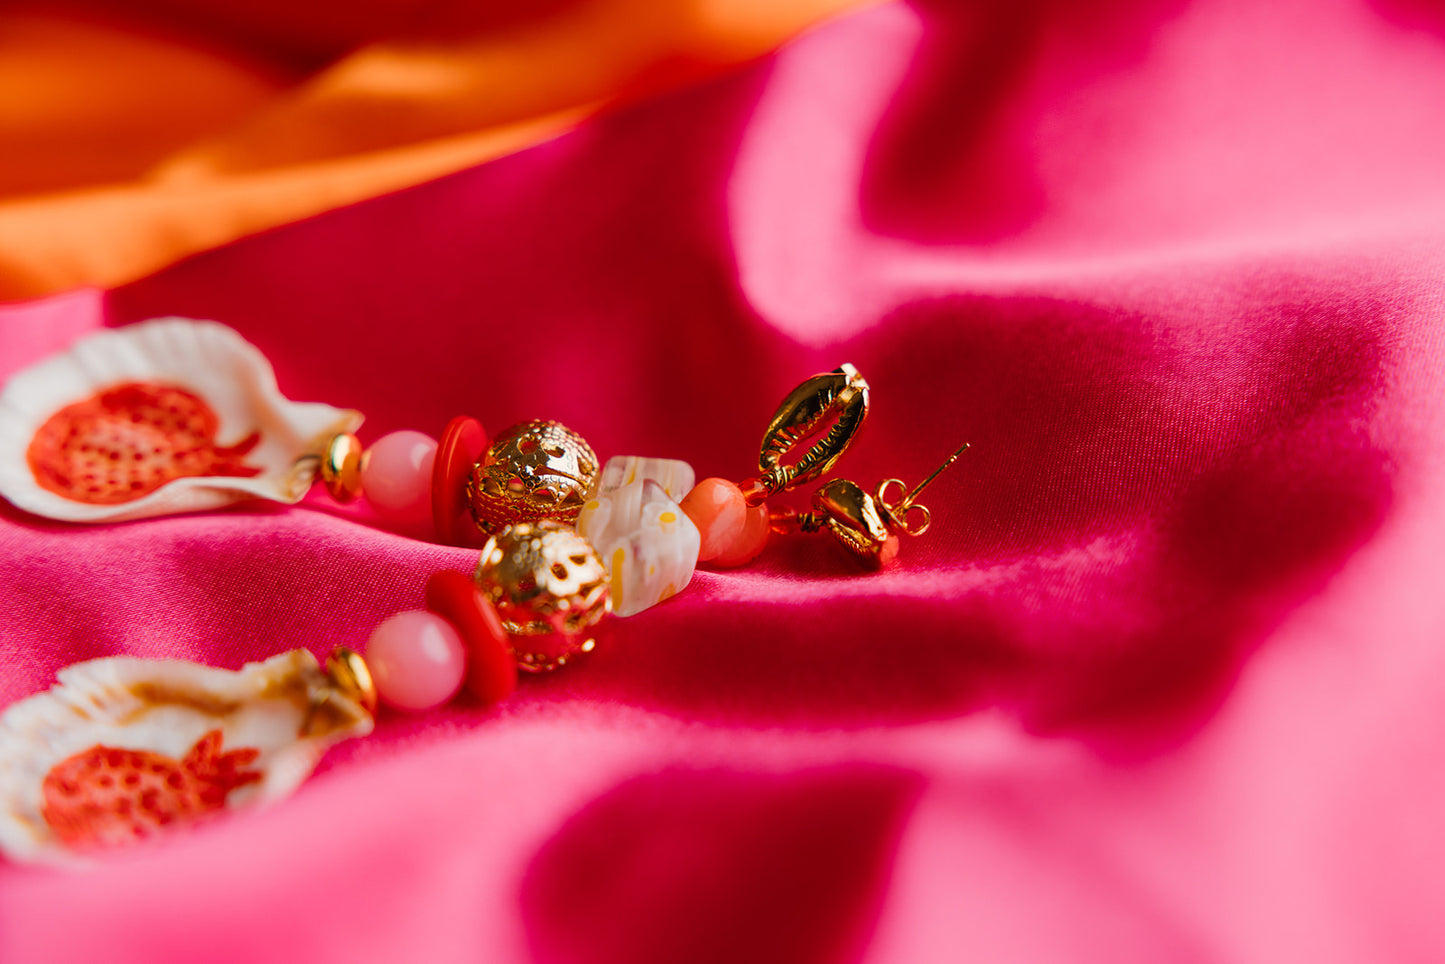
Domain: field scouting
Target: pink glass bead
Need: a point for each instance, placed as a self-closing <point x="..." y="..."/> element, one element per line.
<point x="417" y="660"/>
<point x="396" y="475"/>
<point x="717" y="508"/>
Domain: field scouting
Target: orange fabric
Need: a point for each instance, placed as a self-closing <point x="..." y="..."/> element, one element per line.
<point x="135" y="134"/>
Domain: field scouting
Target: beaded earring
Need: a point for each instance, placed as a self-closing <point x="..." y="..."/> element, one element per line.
<point x="867" y="525"/>
<point x="175" y="415"/>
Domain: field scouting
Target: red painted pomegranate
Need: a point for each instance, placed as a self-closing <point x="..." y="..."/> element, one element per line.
<point x="107" y="795"/>
<point x="130" y="440"/>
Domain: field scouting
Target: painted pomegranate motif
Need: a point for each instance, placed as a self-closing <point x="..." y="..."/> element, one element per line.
<point x="106" y="795"/>
<point x="128" y="441"/>
<point x="121" y="747"/>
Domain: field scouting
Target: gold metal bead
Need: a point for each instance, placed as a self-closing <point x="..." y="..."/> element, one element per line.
<point x="341" y="467"/>
<point x="349" y="674"/>
<point x="549" y="587"/>
<point x="532" y="471"/>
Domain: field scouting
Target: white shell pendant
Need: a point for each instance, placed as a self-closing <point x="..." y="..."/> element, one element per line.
<point x="121" y="748"/>
<point x="647" y="542"/>
<point x="167" y="416"/>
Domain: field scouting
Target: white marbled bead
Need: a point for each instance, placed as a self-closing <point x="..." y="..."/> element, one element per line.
<point x="647" y="543"/>
<point x="676" y="477"/>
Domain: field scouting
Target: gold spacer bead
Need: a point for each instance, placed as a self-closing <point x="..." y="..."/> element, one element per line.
<point x="350" y="675"/>
<point x="341" y="467"/>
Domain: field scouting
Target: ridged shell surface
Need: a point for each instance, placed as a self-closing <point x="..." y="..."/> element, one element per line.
<point x="280" y="716"/>
<point x="267" y="444"/>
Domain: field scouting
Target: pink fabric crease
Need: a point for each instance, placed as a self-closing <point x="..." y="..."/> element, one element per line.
<point x="1164" y="680"/>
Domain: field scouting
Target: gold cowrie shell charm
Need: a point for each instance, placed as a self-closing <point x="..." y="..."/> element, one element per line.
<point x="834" y="403"/>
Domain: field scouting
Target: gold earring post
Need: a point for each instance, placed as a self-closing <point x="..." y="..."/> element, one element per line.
<point x="910" y="497"/>
<point x="899" y="511"/>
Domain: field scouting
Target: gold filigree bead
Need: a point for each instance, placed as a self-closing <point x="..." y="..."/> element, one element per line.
<point x="549" y="587"/>
<point x="532" y="471"/>
<point x="341" y="467"/>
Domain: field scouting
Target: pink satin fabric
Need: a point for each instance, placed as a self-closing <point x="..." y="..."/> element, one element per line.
<point x="1165" y="681"/>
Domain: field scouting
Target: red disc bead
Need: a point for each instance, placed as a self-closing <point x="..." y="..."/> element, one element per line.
<point x="491" y="668"/>
<point x="461" y="445"/>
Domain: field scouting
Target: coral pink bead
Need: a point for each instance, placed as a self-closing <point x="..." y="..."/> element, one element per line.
<point x="416" y="659"/>
<point x="396" y="475"/>
<point x="717" y="508"/>
<point x="749" y="541"/>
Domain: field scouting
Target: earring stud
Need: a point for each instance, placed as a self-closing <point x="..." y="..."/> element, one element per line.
<point x="867" y="525"/>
